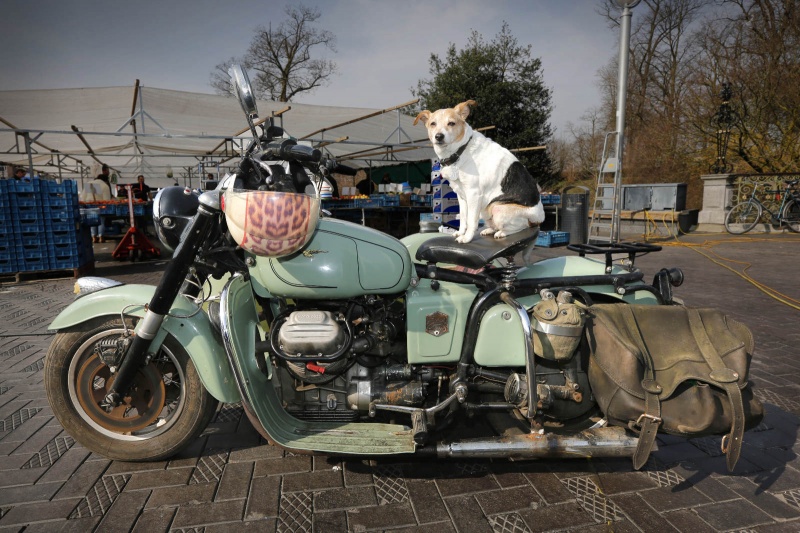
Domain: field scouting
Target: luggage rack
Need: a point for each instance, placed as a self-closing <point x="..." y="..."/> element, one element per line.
<point x="609" y="249"/>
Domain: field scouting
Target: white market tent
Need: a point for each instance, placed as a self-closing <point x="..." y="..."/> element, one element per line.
<point x="68" y="133"/>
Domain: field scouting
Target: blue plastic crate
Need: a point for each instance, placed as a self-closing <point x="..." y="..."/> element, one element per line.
<point x="364" y="203"/>
<point x="64" y="249"/>
<point x="8" y="265"/>
<point x="64" y="237"/>
<point x="90" y="216"/>
<point x="22" y="214"/>
<point x="391" y="200"/>
<point x="547" y="239"/>
<point x="7" y="253"/>
<point x="4" y="186"/>
<point x="65" y="187"/>
<point x="138" y="210"/>
<point x="61" y="212"/>
<point x="24" y="185"/>
<point x="551" y="199"/>
<point x="60" y="200"/>
<point x="24" y="199"/>
<point x="30" y="238"/>
<point x="31" y="251"/>
<point x="61" y="225"/>
<point x="32" y="264"/>
<point x="29" y="226"/>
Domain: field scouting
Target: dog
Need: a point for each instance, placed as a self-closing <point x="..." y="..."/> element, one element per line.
<point x="489" y="181"/>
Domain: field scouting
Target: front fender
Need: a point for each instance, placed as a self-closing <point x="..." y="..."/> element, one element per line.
<point x="194" y="333"/>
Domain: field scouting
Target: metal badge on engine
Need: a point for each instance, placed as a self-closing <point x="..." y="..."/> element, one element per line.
<point x="436" y="324"/>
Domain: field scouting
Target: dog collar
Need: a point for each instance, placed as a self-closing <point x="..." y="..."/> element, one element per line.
<point x="446" y="162"/>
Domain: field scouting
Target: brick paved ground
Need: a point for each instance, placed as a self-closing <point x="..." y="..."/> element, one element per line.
<point x="230" y="481"/>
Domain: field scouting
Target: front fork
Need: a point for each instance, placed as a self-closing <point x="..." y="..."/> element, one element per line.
<point x="166" y="292"/>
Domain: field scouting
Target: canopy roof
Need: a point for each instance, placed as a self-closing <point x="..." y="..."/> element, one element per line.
<point x="142" y="130"/>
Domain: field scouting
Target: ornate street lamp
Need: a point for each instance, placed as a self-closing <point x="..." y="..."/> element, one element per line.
<point x="724" y="119"/>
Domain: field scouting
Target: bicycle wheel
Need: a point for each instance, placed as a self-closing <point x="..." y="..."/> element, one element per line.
<point x="791" y="216"/>
<point x="743" y="217"/>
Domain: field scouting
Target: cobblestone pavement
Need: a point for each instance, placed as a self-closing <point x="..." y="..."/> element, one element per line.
<point x="229" y="480"/>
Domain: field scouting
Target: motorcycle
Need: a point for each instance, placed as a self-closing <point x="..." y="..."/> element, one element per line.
<point x="334" y="340"/>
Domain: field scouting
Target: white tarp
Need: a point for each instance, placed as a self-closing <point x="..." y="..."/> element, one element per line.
<point x="180" y="129"/>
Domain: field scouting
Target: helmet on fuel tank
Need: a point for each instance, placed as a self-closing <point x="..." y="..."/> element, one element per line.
<point x="271" y="223"/>
<point x="173" y="209"/>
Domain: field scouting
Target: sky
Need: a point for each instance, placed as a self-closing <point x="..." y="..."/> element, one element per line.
<point x="383" y="45"/>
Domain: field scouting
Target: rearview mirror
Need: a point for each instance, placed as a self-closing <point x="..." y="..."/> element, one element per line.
<point x="244" y="91"/>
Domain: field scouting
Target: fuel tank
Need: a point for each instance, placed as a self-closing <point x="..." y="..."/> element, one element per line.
<point x="342" y="260"/>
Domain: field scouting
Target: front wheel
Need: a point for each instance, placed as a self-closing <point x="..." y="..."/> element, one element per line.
<point x="165" y="409"/>
<point x="742" y="217"/>
<point x="791" y="216"/>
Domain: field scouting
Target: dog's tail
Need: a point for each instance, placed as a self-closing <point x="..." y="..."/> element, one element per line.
<point x="535" y="214"/>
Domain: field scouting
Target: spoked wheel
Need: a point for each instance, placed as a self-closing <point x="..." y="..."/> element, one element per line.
<point x="791" y="216"/>
<point x="743" y="217"/>
<point x="164" y="410"/>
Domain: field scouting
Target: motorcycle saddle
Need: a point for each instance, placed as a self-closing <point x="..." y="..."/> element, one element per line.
<point x="476" y="254"/>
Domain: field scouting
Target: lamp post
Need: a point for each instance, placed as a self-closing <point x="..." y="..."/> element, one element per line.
<point x="724" y="119"/>
<point x="622" y="93"/>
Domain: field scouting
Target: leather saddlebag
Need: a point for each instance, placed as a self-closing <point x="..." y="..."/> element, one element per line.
<point x="673" y="369"/>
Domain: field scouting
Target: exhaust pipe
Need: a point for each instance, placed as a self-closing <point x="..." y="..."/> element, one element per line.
<point x="599" y="442"/>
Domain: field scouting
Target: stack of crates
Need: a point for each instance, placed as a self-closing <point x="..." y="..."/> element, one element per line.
<point x="69" y="242"/>
<point x="8" y="256"/>
<point x="40" y="227"/>
<point x="30" y="246"/>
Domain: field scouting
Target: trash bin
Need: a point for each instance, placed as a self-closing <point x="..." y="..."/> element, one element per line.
<point x="686" y="219"/>
<point x="575" y="214"/>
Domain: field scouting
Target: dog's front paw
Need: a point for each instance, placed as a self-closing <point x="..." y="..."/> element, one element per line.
<point x="487" y="231"/>
<point x="500" y="235"/>
<point x="459" y="233"/>
<point x="467" y="237"/>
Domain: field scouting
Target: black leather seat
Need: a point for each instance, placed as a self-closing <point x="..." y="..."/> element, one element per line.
<point x="476" y="254"/>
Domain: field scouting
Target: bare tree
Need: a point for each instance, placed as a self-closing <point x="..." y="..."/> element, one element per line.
<point x="282" y="57"/>
<point x="755" y="46"/>
<point x="664" y="49"/>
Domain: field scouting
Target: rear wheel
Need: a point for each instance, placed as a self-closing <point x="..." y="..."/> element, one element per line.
<point x="166" y="408"/>
<point x="742" y="217"/>
<point x="791" y="215"/>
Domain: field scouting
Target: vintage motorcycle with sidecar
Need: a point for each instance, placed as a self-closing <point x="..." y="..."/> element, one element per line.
<point x="343" y="340"/>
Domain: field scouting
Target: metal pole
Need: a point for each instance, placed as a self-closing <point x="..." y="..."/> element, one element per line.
<point x="622" y="93"/>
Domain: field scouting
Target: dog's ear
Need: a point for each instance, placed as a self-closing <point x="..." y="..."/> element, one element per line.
<point x="463" y="109"/>
<point x="423" y="116"/>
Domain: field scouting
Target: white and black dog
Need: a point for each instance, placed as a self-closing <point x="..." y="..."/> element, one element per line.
<point x="489" y="181"/>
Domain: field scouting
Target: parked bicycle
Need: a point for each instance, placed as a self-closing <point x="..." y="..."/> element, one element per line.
<point x="745" y="215"/>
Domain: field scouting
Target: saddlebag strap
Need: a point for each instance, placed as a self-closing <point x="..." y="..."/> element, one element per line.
<point x="648" y="421"/>
<point x="728" y="380"/>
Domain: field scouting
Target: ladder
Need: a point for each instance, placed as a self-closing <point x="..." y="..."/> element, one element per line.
<point x="602" y="225"/>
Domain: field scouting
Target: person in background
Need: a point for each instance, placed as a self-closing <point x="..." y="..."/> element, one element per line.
<point x="19" y="173"/>
<point x="387" y="179"/>
<point x="142" y="191"/>
<point x="366" y="186"/>
<point x="97" y="190"/>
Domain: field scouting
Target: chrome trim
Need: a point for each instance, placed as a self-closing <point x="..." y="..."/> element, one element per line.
<point x="151" y="324"/>
<point x="211" y="200"/>
<point x="227" y="342"/>
<point x="530" y="368"/>
<point x="555" y="329"/>
<point x="89" y="284"/>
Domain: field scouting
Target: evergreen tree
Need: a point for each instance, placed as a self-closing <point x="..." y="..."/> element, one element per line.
<point x="508" y="86"/>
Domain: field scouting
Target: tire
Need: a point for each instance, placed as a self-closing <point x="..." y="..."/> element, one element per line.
<point x="168" y="409"/>
<point x="743" y="217"/>
<point x="791" y="216"/>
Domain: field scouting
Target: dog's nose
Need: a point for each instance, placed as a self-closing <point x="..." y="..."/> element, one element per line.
<point x="439" y="136"/>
